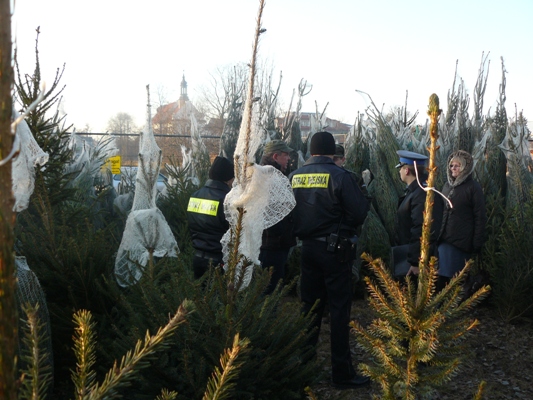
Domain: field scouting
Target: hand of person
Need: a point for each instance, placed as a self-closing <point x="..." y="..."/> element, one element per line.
<point x="413" y="271"/>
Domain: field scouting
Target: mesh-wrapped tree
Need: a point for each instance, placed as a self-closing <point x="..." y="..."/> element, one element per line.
<point x="230" y="133"/>
<point x="147" y="233"/>
<point x="30" y="295"/>
<point x="261" y="195"/>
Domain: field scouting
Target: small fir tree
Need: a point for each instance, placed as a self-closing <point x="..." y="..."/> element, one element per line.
<point x="416" y="338"/>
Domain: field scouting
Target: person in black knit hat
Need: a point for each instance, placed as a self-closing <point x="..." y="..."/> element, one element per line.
<point x="205" y="213"/>
<point x="329" y="208"/>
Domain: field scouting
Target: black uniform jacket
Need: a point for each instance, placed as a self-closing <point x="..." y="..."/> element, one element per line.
<point x="410" y="220"/>
<point x="207" y="223"/>
<point x="326" y="196"/>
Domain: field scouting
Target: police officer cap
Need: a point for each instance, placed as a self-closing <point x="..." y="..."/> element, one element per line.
<point x="276" y="146"/>
<point x="322" y="144"/>
<point x="409" y="158"/>
<point x="221" y="169"/>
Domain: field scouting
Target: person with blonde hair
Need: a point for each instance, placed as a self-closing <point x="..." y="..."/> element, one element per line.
<point x="463" y="224"/>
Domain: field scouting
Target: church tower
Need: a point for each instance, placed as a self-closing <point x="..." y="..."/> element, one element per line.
<point x="183" y="95"/>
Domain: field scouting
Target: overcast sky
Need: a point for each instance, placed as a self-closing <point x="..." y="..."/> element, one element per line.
<point x="114" y="48"/>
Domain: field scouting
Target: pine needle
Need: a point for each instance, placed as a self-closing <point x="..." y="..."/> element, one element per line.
<point x="222" y="382"/>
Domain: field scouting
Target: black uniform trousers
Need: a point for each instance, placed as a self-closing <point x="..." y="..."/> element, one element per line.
<point x="202" y="261"/>
<point x="276" y="259"/>
<point x="324" y="278"/>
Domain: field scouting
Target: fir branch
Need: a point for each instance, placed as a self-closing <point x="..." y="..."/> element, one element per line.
<point x="37" y="376"/>
<point x="166" y="395"/>
<point x="394" y="301"/>
<point x="122" y="374"/>
<point x="222" y="382"/>
<point x="84" y="348"/>
<point x="479" y="393"/>
<point x="310" y="394"/>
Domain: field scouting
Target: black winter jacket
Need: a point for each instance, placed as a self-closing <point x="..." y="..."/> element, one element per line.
<point x="463" y="226"/>
<point x="410" y="219"/>
<point x="205" y="212"/>
<point x="325" y="194"/>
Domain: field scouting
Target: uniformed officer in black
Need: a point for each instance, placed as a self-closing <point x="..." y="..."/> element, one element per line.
<point x="410" y="215"/>
<point x="329" y="207"/>
<point x="207" y="223"/>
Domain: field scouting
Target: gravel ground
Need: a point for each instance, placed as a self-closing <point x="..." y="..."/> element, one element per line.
<point x="499" y="353"/>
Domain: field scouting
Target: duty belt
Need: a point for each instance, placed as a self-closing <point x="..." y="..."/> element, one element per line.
<point x="318" y="239"/>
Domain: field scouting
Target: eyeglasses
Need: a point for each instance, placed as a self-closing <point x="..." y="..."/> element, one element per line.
<point x="452" y="166"/>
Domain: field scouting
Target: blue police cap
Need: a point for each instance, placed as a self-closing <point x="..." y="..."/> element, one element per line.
<point x="409" y="158"/>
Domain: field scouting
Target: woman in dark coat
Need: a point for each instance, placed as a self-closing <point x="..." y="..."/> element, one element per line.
<point x="463" y="224"/>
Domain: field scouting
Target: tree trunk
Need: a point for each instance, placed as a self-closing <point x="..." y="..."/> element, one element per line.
<point x="8" y="310"/>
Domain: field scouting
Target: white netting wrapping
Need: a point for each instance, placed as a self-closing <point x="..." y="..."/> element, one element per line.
<point x="197" y="143"/>
<point x="23" y="166"/>
<point x="29" y="291"/>
<point x="148" y="171"/>
<point x="123" y="203"/>
<point x="254" y="141"/>
<point x="146" y="232"/>
<point x="80" y="154"/>
<point x="266" y="198"/>
<point x="88" y="158"/>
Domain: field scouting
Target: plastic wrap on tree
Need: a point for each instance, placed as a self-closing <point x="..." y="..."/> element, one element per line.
<point x="198" y="147"/>
<point x="515" y="146"/>
<point x="23" y="167"/>
<point x="81" y="159"/>
<point x="147" y="232"/>
<point x="88" y="159"/>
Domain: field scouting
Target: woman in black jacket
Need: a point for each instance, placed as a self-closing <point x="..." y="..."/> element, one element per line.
<point x="463" y="223"/>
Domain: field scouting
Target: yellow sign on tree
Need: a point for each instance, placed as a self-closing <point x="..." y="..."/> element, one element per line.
<point x="113" y="163"/>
